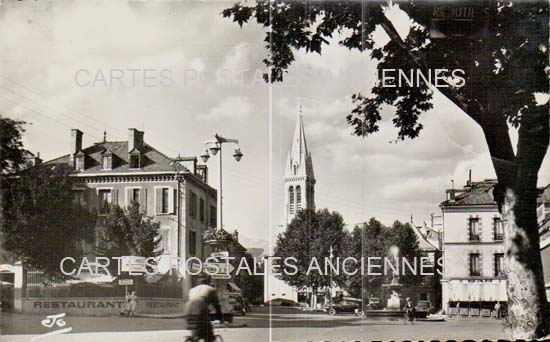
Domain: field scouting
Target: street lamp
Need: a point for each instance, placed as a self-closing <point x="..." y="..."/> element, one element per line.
<point x="214" y="147"/>
<point x="205" y="156"/>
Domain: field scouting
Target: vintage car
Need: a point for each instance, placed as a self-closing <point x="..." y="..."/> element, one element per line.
<point x="345" y="305"/>
<point x="423" y="308"/>
<point x="374" y="303"/>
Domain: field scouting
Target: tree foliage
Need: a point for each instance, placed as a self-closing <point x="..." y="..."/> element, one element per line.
<point x="13" y="155"/>
<point x="374" y="239"/>
<point x="506" y="64"/>
<point x="40" y="223"/>
<point x="129" y="232"/>
<point x="403" y="236"/>
<point x="311" y="234"/>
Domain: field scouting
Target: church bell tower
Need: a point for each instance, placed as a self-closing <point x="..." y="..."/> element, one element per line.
<point x="299" y="181"/>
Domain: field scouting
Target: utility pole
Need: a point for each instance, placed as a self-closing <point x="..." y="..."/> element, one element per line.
<point x="215" y="146"/>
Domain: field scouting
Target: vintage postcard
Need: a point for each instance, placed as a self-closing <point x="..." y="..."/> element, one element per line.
<point x="274" y="170"/>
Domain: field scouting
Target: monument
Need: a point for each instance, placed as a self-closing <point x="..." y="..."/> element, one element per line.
<point x="394" y="300"/>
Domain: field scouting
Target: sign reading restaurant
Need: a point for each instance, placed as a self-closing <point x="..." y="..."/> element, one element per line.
<point x="99" y="306"/>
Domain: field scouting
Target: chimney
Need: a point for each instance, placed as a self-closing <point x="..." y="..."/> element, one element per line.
<point x="135" y="140"/>
<point x="451" y="192"/>
<point x="34" y="160"/>
<point x="202" y="171"/>
<point x="469" y="183"/>
<point x="451" y="195"/>
<point x="76" y="143"/>
<point x="37" y="160"/>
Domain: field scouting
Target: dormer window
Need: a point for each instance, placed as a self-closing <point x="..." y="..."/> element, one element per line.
<point x="107" y="163"/>
<point x="107" y="160"/>
<point x="135" y="161"/>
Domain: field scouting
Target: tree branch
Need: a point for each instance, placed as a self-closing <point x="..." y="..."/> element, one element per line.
<point x="472" y="109"/>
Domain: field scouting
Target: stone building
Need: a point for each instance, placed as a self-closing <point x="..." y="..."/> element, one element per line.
<point x="473" y="250"/>
<point x="172" y="191"/>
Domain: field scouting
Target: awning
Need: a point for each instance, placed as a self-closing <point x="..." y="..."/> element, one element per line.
<point x="481" y="291"/>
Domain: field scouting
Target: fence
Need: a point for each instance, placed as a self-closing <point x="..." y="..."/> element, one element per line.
<point x="86" y="286"/>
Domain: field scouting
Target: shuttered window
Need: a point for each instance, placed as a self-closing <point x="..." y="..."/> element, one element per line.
<point x="164" y="201"/>
<point x="193" y="204"/>
<point x="202" y="211"/>
<point x="105" y="200"/>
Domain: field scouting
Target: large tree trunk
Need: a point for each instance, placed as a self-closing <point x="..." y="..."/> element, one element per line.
<point x="528" y="310"/>
<point x="527" y="304"/>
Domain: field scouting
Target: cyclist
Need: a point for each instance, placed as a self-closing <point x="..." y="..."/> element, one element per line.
<point x="409" y="311"/>
<point x="197" y="310"/>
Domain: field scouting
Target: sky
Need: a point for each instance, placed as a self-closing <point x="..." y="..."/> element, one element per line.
<point x="181" y="72"/>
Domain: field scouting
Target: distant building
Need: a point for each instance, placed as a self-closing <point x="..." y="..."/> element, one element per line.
<point x="429" y="289"/>
<point x="473" y="250"/>
<point x="299" y="193"/>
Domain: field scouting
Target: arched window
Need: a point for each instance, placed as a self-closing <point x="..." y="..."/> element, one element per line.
<point x="295" y="168"/>
<point x="298" y="197"/>
<point x="291" y="199"/>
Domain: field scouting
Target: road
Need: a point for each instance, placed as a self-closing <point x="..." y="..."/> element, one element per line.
<point x="285" y="325"/>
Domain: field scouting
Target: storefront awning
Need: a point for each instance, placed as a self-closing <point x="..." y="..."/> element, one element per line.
<point x="478" y="291"/>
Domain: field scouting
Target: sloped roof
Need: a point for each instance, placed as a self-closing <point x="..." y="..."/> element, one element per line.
<point x="479" y="193"/>
<point x="544" y="195"/>
<point x="423" y="242"/>
<point x="152" y="159"/>
<point x="299" y="155"/>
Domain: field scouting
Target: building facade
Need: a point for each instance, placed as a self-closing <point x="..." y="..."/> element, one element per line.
<point x="299" y="193"/>
<point x="171" y="191"/>
<point x="473" y="249"/>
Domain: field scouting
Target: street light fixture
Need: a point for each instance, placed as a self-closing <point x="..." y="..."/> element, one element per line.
<point x="215" y="146"/>
<point x="205" y="156"/>
<point x="214" y="149"/>
<point x="238" y="154"/>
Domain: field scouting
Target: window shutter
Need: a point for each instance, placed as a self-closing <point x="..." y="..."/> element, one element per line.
<point x="171" y="201"/>
<point x="175" y="200"/>
<point x="158" y="193"/>
<point x="145" y="200"/>
<point x="128" y="197"/>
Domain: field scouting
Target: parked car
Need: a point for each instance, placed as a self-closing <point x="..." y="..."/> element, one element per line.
<point x="423" y="308"/>
<point x="345" y="305"/>
<point x="281" y="302"/>
<point x="374" y="303"/>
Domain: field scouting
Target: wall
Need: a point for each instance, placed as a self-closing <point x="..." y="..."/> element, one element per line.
<point x="99" y="306"/>
<point x="458" y="247"/>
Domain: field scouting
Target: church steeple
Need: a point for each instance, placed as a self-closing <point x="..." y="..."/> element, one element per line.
<point x="299" y="180"/>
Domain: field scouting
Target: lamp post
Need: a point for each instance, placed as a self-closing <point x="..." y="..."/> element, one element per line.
<point x="214" y="147"/>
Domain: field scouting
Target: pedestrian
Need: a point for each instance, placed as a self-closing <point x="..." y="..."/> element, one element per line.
<point x="498" y="311"/>
<point x="131" y="304"/>
<point x="409" y="311"/>
<point x="457" y="310"/>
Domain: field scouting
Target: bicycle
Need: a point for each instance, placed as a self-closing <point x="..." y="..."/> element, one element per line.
<point x="192" y="338"/>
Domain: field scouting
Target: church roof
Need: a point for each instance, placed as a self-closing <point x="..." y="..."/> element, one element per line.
<point x="299" y="161"/>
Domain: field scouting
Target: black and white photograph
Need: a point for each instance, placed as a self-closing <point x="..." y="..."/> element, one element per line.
<point x="274" y="170"/>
